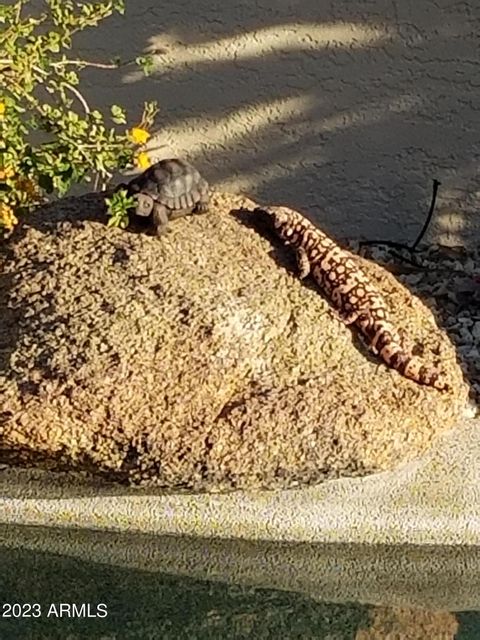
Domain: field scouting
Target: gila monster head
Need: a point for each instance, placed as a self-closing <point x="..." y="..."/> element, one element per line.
<point x="280" y="217"/>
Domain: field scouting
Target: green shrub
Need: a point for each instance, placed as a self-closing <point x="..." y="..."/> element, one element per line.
<point x="50" y="137"/>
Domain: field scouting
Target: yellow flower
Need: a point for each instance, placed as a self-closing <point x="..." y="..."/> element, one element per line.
<point x="2" y="109"/>
<point x="7" y="217"/>
<point x="5" y="173"/>
<point x="139" y="136"/>
<point x="142" y="160"/>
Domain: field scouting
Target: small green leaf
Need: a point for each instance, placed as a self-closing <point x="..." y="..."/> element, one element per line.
<point x="147" y="64"/>
<point x="118" y="114"/>
<point x="119" y="6"/>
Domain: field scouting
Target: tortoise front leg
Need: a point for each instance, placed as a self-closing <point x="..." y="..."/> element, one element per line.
<point x="203" y="204"/>
<point x="160" y="219"/>
<point x="179" y="213"/>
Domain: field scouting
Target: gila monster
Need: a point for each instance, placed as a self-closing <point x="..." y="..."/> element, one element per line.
<point x="354" y="298"/>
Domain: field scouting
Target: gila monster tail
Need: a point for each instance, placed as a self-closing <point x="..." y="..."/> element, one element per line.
<point x="413" y="367"/>
<point x="385" y="341"/>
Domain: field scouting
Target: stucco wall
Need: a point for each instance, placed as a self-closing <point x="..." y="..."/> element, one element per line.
<point x="347" y="109"/>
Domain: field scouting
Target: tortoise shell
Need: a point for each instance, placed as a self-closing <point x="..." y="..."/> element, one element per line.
<point x="174" y="183"/>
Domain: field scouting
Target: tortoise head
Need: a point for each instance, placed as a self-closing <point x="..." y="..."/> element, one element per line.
<point x="143" y="204"/>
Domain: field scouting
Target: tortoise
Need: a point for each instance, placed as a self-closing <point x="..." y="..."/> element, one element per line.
<point x="167" y="190"/>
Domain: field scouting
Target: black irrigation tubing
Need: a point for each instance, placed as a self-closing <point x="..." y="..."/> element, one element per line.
<point x="436" y="184"/>
<point x="400" y="245"/>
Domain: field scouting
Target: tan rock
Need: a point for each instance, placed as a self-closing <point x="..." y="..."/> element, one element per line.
<point x="198" y="360"/>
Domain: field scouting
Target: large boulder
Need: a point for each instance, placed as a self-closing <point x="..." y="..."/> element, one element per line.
<point x="198" y="360"/>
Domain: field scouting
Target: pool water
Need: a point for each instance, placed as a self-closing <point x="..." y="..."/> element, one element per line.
<point x="138" y="604"/>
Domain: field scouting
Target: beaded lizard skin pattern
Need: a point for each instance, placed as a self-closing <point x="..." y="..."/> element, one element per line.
<point x="354" y="298"/>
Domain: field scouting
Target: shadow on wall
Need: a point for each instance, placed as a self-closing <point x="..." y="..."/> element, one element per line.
<point x="348" y="110"/>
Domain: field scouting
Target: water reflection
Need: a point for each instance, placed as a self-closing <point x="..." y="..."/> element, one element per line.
<point x="409" y="624"/>
<point x="175" y="588"/>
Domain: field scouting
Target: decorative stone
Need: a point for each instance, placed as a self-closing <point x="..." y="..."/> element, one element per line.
<point x="199" y="360"/>
<point x="476" y="330"/>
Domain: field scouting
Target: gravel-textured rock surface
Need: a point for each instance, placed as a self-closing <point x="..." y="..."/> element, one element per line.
<point x="199" y="360"/>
